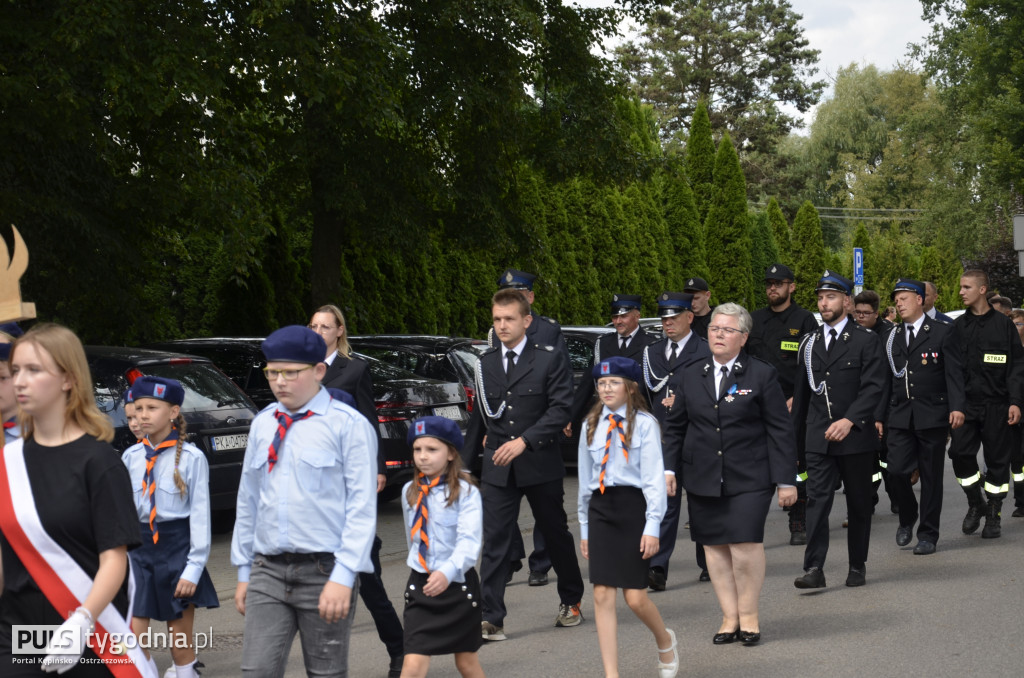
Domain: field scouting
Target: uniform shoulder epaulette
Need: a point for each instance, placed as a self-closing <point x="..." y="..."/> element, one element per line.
<point x="544" y="347"/>
<point x="490" y="349"/>
<point x="550" y="320"/>
<point x="861" y="328"/>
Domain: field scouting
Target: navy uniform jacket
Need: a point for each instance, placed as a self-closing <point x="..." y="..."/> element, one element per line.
<point x="932" y="385"/>
<point x="542" y="330"/>
<point x="854" y="373"/>
<point x="606" y="346"/>
<point x="941" y="317"/>
<point x="352" y="376"/>
<point x="537" y="401"/>
<point x="740" y="442"/>
<point x="658" y="366"/>
<point x="775" y="338"/>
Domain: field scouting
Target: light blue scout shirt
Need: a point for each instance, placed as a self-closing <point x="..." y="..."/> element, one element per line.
<point x="455" y="532"/>
<point x="170" y="505"/>
<point x="645" y="468"/>
<point x="321" y="496"/>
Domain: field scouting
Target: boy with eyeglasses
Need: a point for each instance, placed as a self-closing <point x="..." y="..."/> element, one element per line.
<point x="306" y="514"/>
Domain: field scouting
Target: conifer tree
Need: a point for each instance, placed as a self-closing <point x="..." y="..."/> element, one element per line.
<point x="808" y="253"/>
<point x="764" y="252"/>
<point x="728" y="230"/>
<point x="685" y="230"/>
<point x="780" y="229"/>
<point x="700" y="159"/>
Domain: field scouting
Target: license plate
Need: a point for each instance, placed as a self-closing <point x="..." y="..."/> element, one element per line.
<point x="449" y="412"/>
<point x="237" y="441"/>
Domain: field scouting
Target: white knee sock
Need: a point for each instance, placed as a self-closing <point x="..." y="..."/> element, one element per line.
<point x="187" y="671"/>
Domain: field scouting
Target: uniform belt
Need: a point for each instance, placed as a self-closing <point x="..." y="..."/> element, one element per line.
<point x="290" y="558"/>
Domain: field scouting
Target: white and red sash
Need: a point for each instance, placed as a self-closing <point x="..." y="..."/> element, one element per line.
<point x="64" y="583"/>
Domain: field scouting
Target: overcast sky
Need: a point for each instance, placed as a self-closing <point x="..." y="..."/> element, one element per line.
<point x="854" y="31"/>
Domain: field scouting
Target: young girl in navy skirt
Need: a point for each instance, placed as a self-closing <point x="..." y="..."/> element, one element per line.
<point x="172" y="496"/>
<point x="621" y="503"/>
<point x="444" y="521"/>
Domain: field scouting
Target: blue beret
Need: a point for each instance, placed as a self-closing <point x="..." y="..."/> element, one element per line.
<point x="908" y="285"/>
<point x="5" y="351"/>
<point x="520" y="280"/>
<point x="158" y="388"/>
<point x="441" y="428"/>
<point x="12" y="329"/>
<point x="617" y="366"/>
<point x="294" y="344"/>
<point x="129" y="397"/>
<point x="671" y="304"/>
<point x="343" y="396"/>
<point x="831" y="280"/>
<point x="624" y="303"/>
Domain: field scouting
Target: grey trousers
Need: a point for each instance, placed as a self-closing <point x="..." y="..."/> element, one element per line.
<point x="282" y="598"/>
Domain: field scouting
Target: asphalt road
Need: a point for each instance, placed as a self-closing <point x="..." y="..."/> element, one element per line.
<point x="958" y="612"/>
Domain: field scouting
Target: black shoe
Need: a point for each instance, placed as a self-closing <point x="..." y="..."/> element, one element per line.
<point x="537" y="578"/>
<point x="1018" y="512"/>
<point x="513" y="567"/>
<point x="656" y="579"/>
<point x="972" y="521"/>
<point x="903" y="535"/>
<point x="857" y="576"/>
<point x="704" y="576"/>
<point x="749" y="638"/>
<point x="924" y="548"/>
<point x="993" y="528"/>
<point x="725" y="638"/>
<point x="395" y="668"/>
<point x="813" y="578"/>
<point x="797" y="538"/>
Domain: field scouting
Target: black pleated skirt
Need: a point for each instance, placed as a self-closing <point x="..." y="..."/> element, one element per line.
<point x="443" y="624"/>
<point x="616" y="525"/>
<point x="735" y="519"/>
<point x="157" y="569"/>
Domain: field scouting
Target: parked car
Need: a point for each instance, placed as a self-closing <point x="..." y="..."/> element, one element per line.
<point x="436" y="357"/>
<point x="217" y="413"/>
<point x="400" y="395"/>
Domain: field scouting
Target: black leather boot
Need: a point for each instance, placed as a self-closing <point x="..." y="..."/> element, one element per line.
<point x="975" y="510"/>
<point x="992" y="529"/>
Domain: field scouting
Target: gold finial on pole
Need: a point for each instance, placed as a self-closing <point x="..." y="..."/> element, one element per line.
<point x="12" y="308"/>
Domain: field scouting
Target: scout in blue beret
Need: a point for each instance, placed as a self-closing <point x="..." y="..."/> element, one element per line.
<point x="131" y="417"/>
<point x="444" y="516"/>
<point x="174" y="515"/>
<point x="622" y="500"/>
<point x="306" y="508"/>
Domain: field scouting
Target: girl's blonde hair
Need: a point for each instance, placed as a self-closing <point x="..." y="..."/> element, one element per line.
<point x="342" y="347"/>
<point x="453" y="474"/>
<point x="635" y="402"/>
<point x="179" y="482"/>
<point x="66" y="350"/>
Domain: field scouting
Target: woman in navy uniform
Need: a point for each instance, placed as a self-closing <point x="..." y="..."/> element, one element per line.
<point x="663" y="364"/>
<point x="737" y="445"/>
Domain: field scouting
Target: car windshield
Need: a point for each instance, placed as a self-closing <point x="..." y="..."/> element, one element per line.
<point x="381" y="372"/>
<point x="205" y="387"/>
<point x="468" y="354"/>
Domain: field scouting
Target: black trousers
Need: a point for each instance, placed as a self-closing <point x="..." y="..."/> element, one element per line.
<point x="924" y="450"/>
<point x="1017" y="466"/>
<point x="371" y="590"/>
<point x="823" y="475"/>
<point x="501" y="511"/>
<point x="985" y="426"/>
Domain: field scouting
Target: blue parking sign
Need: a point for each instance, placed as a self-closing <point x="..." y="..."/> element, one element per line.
<point x="858" y="266"/>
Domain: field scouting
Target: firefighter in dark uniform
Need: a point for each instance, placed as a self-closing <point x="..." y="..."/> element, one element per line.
<point x="775" y="338"/>
<point x="663" y="363"/>
<point x="628" y="341"/>
<point x="993" y="373"/>
<point x="841" y="380"/>
<point x="926" y="398"/>
<point x="522" y="402"/>
<point x="547" y="332"/>
<point x="701" y="303"/>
